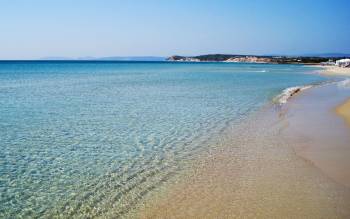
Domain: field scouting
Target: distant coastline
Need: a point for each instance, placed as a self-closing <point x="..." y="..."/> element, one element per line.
<point x="306" y="60"/>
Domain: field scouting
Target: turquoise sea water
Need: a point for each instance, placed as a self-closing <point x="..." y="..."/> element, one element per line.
<point x="93" y="138"/>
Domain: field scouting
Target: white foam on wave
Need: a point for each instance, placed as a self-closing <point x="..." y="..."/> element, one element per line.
<point x="255" y="71"/>
<point x="288" y="93"/>
<point x="344" y="84"/>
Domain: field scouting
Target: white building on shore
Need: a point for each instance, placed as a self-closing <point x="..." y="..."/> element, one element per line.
<point x="328" y="63"/>
<point x="343" y="63"/>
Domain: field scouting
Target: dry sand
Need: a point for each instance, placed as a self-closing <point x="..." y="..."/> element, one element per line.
<point x="344" y="111"/>
<point x="335" y="70"/>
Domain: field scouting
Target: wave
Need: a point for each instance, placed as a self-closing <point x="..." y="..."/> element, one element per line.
<point x="254" y="71"/>
<point x="289" y="92"/>
<point x="344" y="83"/>
<point x="258" y="71"/>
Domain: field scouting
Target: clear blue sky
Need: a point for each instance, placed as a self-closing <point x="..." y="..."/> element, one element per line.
<point x="75" y="28"/>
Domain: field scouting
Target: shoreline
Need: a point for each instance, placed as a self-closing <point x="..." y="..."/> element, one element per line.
<point x="253" y="173"/>
<point x="317" y="133"/>
<point x="260" y="171"/>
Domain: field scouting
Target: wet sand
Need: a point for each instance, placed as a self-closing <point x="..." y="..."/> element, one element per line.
<point x="259" y="170"/>
<point x="318" y="134"/>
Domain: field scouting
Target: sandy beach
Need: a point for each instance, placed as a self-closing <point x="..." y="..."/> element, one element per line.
<point x="288" y="162"/>
<point x="317" y="133"/>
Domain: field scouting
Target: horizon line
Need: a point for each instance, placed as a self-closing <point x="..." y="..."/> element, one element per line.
<point x="163" y="58"/>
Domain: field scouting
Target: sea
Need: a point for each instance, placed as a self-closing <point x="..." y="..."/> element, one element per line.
<point x="87" y="139"/>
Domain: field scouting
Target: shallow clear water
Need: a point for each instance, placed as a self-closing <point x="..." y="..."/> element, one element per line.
<point x="90" y="138"/>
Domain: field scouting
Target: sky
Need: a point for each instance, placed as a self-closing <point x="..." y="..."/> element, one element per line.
<point x="99" y="28"/>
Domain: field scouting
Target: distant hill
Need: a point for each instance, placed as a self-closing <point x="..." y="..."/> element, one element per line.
<point x="133" y="58"/>
<point x="111" y="58"/>
<point x="56" y="58"/>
